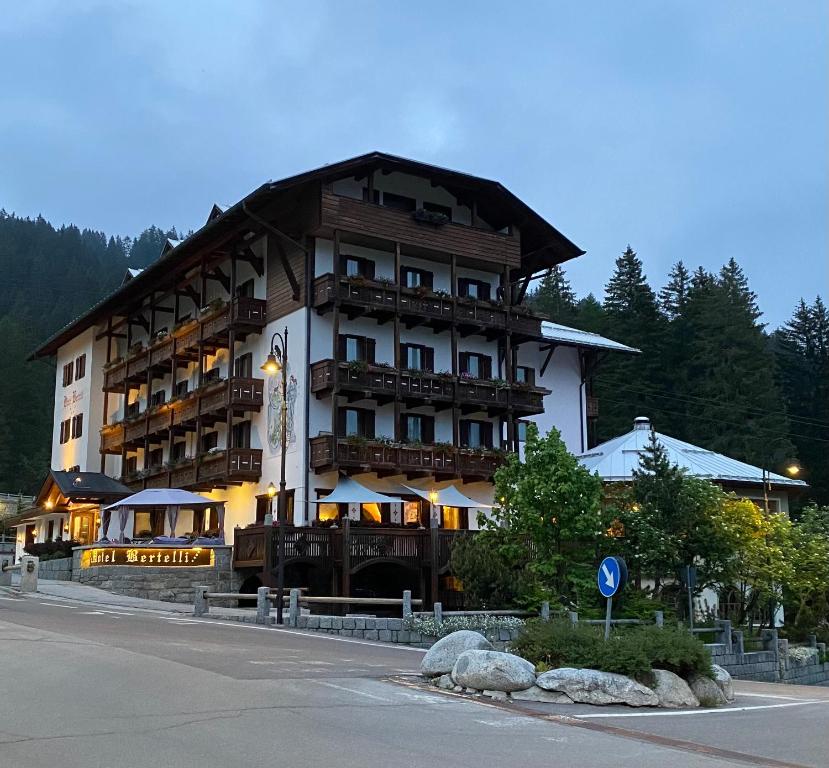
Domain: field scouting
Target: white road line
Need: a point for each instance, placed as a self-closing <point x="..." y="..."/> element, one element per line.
<point x="771" y="696"/>
<point x="58" y="605"/>
<point x="677" y="713"/>
<point x="351" y="690"/>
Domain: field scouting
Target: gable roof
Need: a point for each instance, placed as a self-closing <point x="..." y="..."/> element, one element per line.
<point x="616" y="460"/>
<point x="542" y="245"/>
<point x="81" y="486"/>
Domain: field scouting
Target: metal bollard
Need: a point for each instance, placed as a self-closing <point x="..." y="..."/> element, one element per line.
<point x="200" y="603"/>
<point x="659" y="618"/>
<point x="545" y="611"/>
<point x="438" y="609"/>
<point x="574" y="617"/>
<point x="293" y="608"/>
<point x="28" y="573"/>
<point x="263" y="605"/>
<point x="407" y="604"/>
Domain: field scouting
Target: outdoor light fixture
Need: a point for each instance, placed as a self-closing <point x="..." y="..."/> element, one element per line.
<point x="271" y="364"/>
<point x="433" y="497"/>
<point x="271" y="490"/>
<point x="793" y="469"/>
<point x="49" y="504"/>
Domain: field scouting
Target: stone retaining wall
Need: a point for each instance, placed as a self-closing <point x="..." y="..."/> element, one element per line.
<point x="772" y="665"/>
<point x="173" y="584"/>
<point x="386" y="630"/>
<point x="59" y="569"/>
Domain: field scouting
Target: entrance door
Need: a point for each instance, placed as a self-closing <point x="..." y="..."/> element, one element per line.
<point x="83" y="527"/>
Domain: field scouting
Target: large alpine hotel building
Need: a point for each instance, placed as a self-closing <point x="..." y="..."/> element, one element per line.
<point x="414" y="361"/>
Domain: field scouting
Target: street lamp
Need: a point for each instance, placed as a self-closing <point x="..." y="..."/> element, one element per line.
<point x="271" y="493"/>
<point x="276" y="361"/>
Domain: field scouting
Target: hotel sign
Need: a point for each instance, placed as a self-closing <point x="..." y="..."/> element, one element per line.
<point x="147" y="557"/>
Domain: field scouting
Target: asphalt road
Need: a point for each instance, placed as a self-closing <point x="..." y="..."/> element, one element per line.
<point x="89" y="687"/>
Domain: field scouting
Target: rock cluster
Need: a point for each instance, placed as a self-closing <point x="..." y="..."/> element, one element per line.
<point x="465" y="662"/>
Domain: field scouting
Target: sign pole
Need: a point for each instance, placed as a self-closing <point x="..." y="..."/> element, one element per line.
<point x="690" y="596"/>
<point x="607" y="618"/>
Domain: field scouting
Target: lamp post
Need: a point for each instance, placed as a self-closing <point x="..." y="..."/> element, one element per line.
<point x="277" y="361"/>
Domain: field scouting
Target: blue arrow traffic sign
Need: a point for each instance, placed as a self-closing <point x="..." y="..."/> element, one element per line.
<point x="609" y="577"/>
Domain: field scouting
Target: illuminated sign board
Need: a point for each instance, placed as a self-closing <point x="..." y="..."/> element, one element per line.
<point x="147" y="557"/>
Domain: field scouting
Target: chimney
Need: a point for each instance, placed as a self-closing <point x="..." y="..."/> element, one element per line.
<point x="642" y="422"/>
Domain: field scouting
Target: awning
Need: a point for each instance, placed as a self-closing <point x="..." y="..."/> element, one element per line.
<point x="164" y="497"/>
<point x="449" y="497"/>
<point x="349" y="491"/>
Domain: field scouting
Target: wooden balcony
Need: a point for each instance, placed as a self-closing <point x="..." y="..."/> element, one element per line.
<point x="370" y="382"/>
<point x="243" y="315"/>
<point x="431" y="388"/>
<point x="359" y="297"/>
<point x="212" y="401"/>
<point x="528" y="400"/>
<point x="329" y="452"/>
<point x="482" y="394"/>
<point x="209" y="470"/>
<point x="367" y="219"/>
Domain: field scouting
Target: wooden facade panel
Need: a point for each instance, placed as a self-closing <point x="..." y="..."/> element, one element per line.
<point x="281" y="299"/>
<point x="350" y="215"/>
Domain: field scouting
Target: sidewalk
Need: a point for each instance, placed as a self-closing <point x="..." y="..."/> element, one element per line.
<point x="81" y="593"/>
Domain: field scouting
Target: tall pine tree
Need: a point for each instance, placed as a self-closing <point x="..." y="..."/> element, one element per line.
<point x="555" y="298"/>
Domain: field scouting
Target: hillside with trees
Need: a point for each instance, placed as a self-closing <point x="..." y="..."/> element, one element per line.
<point x="710" y="371"/>
<point x="49" y="276"/>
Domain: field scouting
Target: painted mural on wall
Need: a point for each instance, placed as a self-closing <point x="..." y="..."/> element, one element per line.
<point x="275" y="410"/>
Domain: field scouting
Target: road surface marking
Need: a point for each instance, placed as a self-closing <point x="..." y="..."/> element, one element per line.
<point x="57" y="605"/>
<point x="676" y="712"/>
<point x="772" y="696"/>
<point x="351" y="690"/>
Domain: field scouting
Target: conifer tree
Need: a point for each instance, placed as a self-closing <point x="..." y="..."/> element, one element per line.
<point x="674" y="296"/>
<point x="555" y="297"/>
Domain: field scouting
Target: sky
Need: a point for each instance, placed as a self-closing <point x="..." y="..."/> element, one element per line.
<point x="693" y="131"/>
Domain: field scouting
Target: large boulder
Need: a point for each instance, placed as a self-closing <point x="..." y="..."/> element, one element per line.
<point x="589" y="686"/>
<point x="672" y="690"/>
<point x="723" y="679"/>
<point x="441" y="657"/>
<point x="539" y="695"/>
<point x="707" y="692"/>
<point x="493" y="671"/>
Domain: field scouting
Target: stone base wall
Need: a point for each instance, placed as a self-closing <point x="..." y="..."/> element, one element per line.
<point x="386" y="630"/>
<point x="173" y="584"/>
<point x="59" y="569"/>
<point x="771" y="666"/>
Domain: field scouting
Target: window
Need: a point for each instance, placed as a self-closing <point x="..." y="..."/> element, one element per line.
<point x="133" y="409"/>
<point x="356" y="422"/>
<point x="475" y="365"/>
<point x="476" y="434"/>
<point x="179" y="451"/>
<point x="80" y="367"/>
<point x="65" y="431"/>
<point x="399" y="202"/>
<point x="243" y="366"/>
<point x="417" y="428"/>
<point x="182" y="388"/>
<point x="356" y="266"/>
<point x="131" y="465"/>
<point x="209" y="440"/>
<point x="356" y="348"/>
<point x="67" y="374"/>
<point x="455" y="518"/>
<point x="521" y="431"/>
<point x="417" y="357"/>
<point x="525" y="375"/>
<point x="211" y="375"/>
<point x="241" y="435"/>
<point x="411" y="277"/>
<point x="473" y="289"/>
<point x="155" y="458"/>
<point x="77" y="426"/>
<point x="158" y="398"/>
<point x="245" y="290"/>
<point x="438" y="208"/>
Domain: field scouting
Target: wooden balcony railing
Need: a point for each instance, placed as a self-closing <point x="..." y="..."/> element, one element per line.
<point x="243" y="314"/>
<point x="379" y="299"/>
<point x="208" y="470"/>
<point x="329" y="452"/>
<point x="490" y="394"/>
<point x="242" y="395"/>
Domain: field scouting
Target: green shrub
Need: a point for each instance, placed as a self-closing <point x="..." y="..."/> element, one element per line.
<point x="634" y="652"/>
<point x="51" y="550"/>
